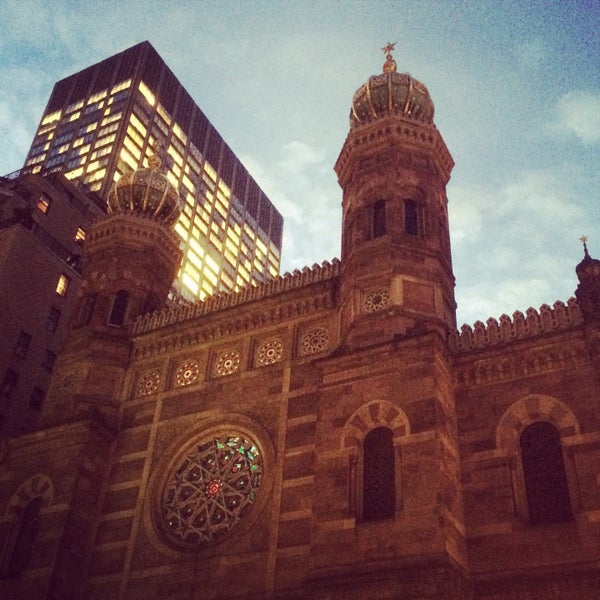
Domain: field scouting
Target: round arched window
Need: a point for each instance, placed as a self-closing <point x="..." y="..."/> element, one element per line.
<point x="211" y="489"/>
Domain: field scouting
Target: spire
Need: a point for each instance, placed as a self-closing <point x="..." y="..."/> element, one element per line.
<point x="389" y="66"/>
<point x="583" y="239"/>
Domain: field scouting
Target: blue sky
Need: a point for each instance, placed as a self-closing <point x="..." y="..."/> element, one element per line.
<point x="516" y="86"/>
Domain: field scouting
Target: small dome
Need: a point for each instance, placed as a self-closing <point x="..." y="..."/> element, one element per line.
<point x="589" y="268"/>
<point x="146" y="191"/>
<point x="391" y="93"/>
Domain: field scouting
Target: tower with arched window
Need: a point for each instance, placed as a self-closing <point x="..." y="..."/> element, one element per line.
<point x="393" y="170"/>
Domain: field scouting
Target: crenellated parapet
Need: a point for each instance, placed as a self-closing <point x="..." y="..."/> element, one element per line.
<point x="278" y="285"/>
<point x="494" y="332"/>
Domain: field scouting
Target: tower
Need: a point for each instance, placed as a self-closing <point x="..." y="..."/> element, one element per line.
<point x="588" y="290"/>
<point x="130" y="260"/>
<point x="387" y="395"/>
<point x="108" y="118"/>
<point x="393" y="170"/>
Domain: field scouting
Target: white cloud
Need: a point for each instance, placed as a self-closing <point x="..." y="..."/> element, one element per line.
<point x="579" y="114"/>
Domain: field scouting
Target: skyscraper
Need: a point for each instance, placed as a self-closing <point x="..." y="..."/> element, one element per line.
<point x="112" y="116"/>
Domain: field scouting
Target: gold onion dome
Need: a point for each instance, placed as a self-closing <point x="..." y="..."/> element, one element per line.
<point x="391" y="93"/>
<point x="146" y="191"/>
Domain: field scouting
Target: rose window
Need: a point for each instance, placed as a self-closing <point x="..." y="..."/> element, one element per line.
<point x="376" y="300"/>
<point x="187" y="373"/>
<point x="270" y="352"/>
<point x="148" y="383"/>
<point x="227" y="363"/>
<point x="212" y="489"/>
<point x="314" y="340"/>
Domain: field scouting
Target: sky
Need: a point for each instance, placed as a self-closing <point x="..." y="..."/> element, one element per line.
<point x="516" y="88"/>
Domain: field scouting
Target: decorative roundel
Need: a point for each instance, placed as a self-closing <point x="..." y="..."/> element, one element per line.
<point x="376" y="300"/>
<point x="211" y="489"/>
<point x="227" y="363"/>
<point x="148" y="383"/>
<point x="314" y="340"/>
<point x="187" y="373"/>
<point x="270" y="352"/>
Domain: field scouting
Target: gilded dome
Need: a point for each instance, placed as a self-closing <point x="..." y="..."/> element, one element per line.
<point x="391" y="93"/>
<point x="146" y="191"/>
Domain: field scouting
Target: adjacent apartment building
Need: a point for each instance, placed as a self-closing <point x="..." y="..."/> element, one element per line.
<point x="43" y="223"/>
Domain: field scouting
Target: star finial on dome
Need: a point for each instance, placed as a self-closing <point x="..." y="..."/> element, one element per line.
<point x="389" y="66"/>
<point x="583" y="239"/>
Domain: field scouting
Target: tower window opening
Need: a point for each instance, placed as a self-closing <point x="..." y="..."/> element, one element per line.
<point x="119" y="308"/>
<point x="378" y="219"/>
<point x="379" y="485"/>
<point x="544" y="474"/>
<point x="411" y="217"/>
<point x="24" y="540"/>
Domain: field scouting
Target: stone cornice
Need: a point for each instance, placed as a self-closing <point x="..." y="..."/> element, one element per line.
<point x="284" y="298"/>
<point x="407" y="131"/>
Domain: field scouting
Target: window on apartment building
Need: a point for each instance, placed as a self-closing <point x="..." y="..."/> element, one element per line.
<point x="62" y="285"/>
<point x="544" y="474"/>
<point x="53" y="319"/>
<point x="36" y="398"/>
<point x="80" y="235"/>
<point x="22" y="345"/>
<point x="43" y="203"/>
<point x="49" y="360"/>
<point x="9" y="383"/>
<point x="379" y="487"/>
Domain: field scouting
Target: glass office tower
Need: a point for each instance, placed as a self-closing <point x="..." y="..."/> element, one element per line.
<point x="112" y="116"/>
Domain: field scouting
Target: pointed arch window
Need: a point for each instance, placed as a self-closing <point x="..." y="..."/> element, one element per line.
<point x="544" y="474"/>
<point x="24" y="540"/>
<point x="379" y="485"/>
<point x="378" y="226"/>
<point x="119" y="308"/>
<point x="411" y="217"/>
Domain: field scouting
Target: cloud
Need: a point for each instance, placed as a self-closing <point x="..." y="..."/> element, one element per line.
<point x="531" y="54"/>
<point x="515" y="245"/>
<point x="299" y="181"/>
<point x="578" y="113"/>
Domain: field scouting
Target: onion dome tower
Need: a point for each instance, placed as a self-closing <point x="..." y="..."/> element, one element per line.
<point x="131" y="257"/>
<point x="130" y="260"/>
<point x="393" y="169"/>
<point x="588" y="290"/>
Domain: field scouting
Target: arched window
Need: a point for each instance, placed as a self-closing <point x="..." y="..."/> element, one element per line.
<point x="378" y="219"/>
<point x="379" y="485"/>
<point x="411" y="217"/>
<point x="88" y="302"/>
<point x="119" y="308"/>
<point x="25" y="538"/>
<point x="544" y="474"/>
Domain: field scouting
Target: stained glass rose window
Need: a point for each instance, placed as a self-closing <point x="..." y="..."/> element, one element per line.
<point x="211" y="489"/>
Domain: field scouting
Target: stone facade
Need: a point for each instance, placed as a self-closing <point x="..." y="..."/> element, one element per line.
<point x="326" y="435"/>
